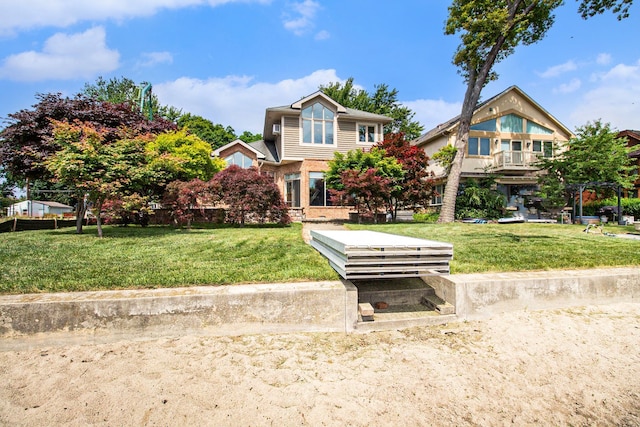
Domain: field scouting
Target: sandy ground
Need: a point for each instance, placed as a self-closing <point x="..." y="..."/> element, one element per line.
<point x="576" y="367"/>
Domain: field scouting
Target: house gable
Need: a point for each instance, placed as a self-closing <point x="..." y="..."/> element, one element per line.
<point x="511" y="123"/>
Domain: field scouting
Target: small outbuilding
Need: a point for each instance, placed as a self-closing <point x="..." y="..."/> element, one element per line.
<point x="38" y="209"/>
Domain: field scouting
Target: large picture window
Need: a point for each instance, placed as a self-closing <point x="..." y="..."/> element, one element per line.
<point x="479" y="146"/>
<point x="537" y="129"/>
<point x="511" y="123"/>
<point x="292" y="189"/>
<point x="487" y="125"/>
<point x="239" y="159"/>
<point x="318" y="192"/>
<point x="317" y="125"/>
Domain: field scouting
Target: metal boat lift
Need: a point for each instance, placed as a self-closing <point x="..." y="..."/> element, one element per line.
<point x="364" y="254"/>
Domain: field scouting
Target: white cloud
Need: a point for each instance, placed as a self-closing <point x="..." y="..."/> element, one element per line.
<point x="432" y="112"/>
<point x="556" y="70"/>
<point x="63" y="57"/>
<point x="303" y="21"/>
<point x="603" y="59"/>
<point x="570" y="87"/>
<point x="238" y="101"/>
<point x="25" y="14"/>
<point x="149" y="59"/>
<point x="322" y="35"/>
<point x="614" y="98"/>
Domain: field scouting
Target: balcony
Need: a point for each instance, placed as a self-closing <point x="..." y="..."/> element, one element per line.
<point x="513" y="161"/>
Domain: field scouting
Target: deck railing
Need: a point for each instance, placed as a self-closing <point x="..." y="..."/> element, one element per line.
<point x="515" y="160"/>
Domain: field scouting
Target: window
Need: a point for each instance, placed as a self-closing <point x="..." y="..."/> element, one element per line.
<point x="511" y="123"/>
<point x="479" y="146"/>
<point x="366" y="133"/>
<point x="292" y="189"/>
<point x="318" y="192"/>
<point x="239" y="159"/>
<point x="317" y="125"/>
<point x="543" y="148"/>
<point x="436" y="197"/>
<point x="537" y="129"/>
<point x="512" y="151"/>
<point x="488" y="125"/>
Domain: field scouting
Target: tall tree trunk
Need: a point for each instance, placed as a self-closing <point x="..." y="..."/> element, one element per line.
<point x="448" y="209"/>
<point x="475" y="82"/>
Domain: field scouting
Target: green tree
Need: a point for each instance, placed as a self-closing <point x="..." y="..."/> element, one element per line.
<point x="125" y="91"/>
<point x="489" y="32"/>
<point x="594" y="155"/>
<point x="367" y="180"/>
<point x="179" y="156"/>
<point x="215" y="134"/>
<point x="95" y="168"/>
<point x="383" y="101"/>
<point x="250" y="137"/>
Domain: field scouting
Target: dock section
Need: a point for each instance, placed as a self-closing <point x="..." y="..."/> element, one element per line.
<point x="364" y="254"/>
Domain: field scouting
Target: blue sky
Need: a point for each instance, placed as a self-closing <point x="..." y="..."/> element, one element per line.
<point x="228" y="60"/>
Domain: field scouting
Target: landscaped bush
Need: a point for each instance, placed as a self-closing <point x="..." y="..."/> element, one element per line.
<point x="477" y="199"/>
<point x="630" y="207"/>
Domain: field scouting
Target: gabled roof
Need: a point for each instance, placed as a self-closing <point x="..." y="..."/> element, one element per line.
<point x="268" y="148"/>
<point x="274" y="114"/>
<point x="448" y="126"/>
<point x="240" y="142"/>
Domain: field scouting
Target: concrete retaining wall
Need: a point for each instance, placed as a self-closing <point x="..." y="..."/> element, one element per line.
<point x="316" y="306"/>
<point x="481" y="295"/>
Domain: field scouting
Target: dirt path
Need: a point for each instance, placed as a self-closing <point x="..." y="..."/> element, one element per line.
<point x="564" y="367"/>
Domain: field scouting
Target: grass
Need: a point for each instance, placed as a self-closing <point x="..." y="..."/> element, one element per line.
<point x="133" y="257"/>
<point x="479" y="248"/>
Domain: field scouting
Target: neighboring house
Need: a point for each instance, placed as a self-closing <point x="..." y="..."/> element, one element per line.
<point x="509" y="132"/>
<point x="38" y="209"/>
<point x="633" y="140"/>
<point x="299" y="140"/>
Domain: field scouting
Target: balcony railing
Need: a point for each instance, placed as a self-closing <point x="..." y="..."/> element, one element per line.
<point x="519" y="160"/>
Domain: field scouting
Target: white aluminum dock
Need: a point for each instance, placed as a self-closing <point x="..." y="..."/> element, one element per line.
<point x="364" y="254"/>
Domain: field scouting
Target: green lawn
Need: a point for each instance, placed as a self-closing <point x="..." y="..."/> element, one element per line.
<point x="521" y="247"/>
<point x="134" y="257"/>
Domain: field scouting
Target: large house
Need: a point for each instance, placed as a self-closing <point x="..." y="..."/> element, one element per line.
<point x="298" y="141"/>
<point x="509" y="132"/>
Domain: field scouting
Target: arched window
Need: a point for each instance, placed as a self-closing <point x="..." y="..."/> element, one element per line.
<point x="239" y="159"/>
<point x="317" y="125"/>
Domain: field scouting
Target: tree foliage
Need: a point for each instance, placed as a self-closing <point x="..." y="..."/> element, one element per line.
<point x="94" y="166"/>
<point x="251" y="196"/>
<point x="596" y="154"/>
<point x="179" y="156"/>
<point x="383" y="101"/>
<point x="245" y="194"/>
<point x="27" y="142"/>
<point x="477" y="198"/>
<point x="183" y="198"/>
<point x="125" y="91"/>
<point x="215" y="134"/>
<point x="416" y="187"/>
<point x="367" y="180"/>
<point x="489" y="32"/>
